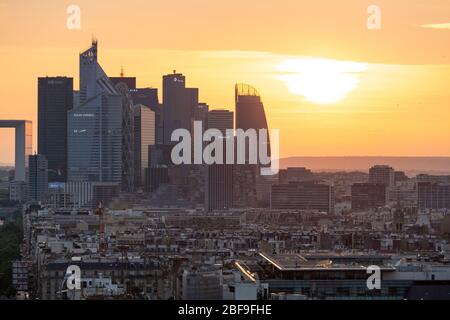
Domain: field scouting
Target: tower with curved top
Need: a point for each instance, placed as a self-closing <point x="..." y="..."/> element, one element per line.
<point x="250" y="112"/>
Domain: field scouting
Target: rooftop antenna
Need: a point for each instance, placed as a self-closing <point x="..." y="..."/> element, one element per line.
<point x="122" y="74"/>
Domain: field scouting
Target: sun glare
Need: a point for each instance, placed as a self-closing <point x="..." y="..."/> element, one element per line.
<point x="321" y="81"/>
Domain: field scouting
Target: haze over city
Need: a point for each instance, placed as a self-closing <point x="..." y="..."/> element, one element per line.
<point x="332" y="86"/>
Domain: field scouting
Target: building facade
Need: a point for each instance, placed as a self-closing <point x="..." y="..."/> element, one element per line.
<point x="97" y="137"/>
<point x="37" y="178"/>
<point x="303" y="196"/>
<point x="55" y="99"/>
<point x="144" y="137"/>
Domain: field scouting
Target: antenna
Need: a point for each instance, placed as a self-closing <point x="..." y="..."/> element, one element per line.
<point x="122" y="74"/>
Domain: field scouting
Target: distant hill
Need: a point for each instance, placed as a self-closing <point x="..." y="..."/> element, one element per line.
<point x="411" y="165"/>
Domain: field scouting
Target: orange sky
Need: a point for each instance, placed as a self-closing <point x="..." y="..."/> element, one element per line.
<point x="400" y="106"/>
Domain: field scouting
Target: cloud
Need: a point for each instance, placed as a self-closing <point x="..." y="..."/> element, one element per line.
<point x="437" y="26"/>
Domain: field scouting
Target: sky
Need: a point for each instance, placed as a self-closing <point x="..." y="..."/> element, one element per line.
<point x="331" y="85"/>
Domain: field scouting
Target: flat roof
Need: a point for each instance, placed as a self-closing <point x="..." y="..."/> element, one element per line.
<point x="296" y="262"/>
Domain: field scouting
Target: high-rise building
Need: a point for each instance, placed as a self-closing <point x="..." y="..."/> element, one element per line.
<point x="250" y="113"/>
<point x="219" y="191"/>
<point x="221" y="120"/>
<point x="382" y="174"/>
<point x="55" y="98"/>
<point x="303" y="196"/>
<point x="295" y="175"/>
<point x="144" y="137"/>
<point x="149" y="97"/>
<point x="368" y="195"/>
<point x="244" y="186"/>
<point x="129" y="81"/>
<point x="100" y="130"/>
<point x="179" y="104"/>
<point x="37" y="178"/>
<point x="433" y="195"/>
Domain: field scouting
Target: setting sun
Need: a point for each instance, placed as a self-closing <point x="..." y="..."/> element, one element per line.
<point x="322" y="81"/>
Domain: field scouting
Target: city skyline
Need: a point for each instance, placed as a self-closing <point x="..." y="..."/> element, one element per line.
<point x="379" y="109"/>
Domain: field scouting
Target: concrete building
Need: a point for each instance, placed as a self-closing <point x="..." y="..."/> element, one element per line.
<point x="368" y="195"/>
<point x="219" y="190"/>
<point x="18" y="191"/>
<point x="23" y="145"/>
<point x="179" y="103"/>
<point x="37" y="178"/>
<point x="433" y="195"/>
<point x="144" y="137"/>
<point x="295" y="175"/>
<point x="382" y="174"/>
<point x="202" y="285"/>
<point x="307" y="196"/>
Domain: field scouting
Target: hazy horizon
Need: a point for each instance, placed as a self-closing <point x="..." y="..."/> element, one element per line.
<point x="331" y="85"/>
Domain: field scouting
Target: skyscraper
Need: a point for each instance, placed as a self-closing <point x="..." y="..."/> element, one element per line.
<point x="250" y="114"/>
<point x="55" y="98"/>
<point x="99" y="129"/>
<point x="37" y="178"/>
<point x="382" y="174"/>
<point x="179" y="103"/>
<point x="219" y="191"/>
<point x="144" y="137"/>
<point x="149" y="97"/>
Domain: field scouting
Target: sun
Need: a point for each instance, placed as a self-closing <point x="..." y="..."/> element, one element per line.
<point x="321" y="81"/>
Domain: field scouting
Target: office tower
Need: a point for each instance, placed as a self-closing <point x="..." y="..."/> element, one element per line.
<point x="100" y="140"/>
<point x="149" y="97"/>
<point x="37" y="178"/>
<point x="250" y="113"/>
<point x="127" y="137"/>
<point x="179" y="104"/>
<point x="368" y="196"/>
<point x="219" y="191"/>
<point x="200" y="113"/>
<point x="55" y="99"/>
<point x="221" y="120"/>
<point x="433" y="195"/>
<point x="295" y="175"/>
<point x="144" y="137"/>
<point x="244" y="186"/>
<point x="303" y="196"/>
<point x="129" y="81"/>
<point x="382" y="174"/>
<point x="400" y="176"/>
<point x="155" y="177"/>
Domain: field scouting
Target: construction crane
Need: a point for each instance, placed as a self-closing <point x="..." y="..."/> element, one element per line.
<point x="102" y="244"/>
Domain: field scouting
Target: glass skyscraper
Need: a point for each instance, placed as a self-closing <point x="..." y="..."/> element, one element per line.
<point x="96" y="127"/>
<point x="179" y="104"/>
<point x="55" y="98"/>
